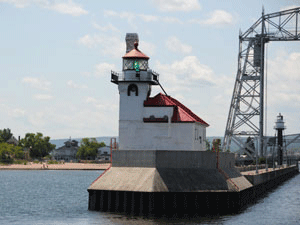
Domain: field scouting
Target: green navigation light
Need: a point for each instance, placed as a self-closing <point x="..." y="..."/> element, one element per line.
<point x="136" y="66"/>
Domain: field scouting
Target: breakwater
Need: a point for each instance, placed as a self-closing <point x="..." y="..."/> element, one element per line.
<point x="179" y="183"/>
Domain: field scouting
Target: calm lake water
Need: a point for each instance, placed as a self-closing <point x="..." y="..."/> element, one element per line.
<point x="61" y="197"/>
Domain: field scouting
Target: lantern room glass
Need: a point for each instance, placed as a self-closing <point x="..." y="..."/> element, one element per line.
<point x="131" y="64"/>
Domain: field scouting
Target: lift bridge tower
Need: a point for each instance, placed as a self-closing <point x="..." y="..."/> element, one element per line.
<point x="246" y="113"/>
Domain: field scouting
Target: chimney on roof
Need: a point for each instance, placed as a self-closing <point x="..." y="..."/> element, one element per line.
<point x="131" y="38"/>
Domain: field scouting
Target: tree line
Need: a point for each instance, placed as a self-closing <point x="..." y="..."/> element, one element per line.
<point x="36" y="145"/>
<point x="89" y="148"/>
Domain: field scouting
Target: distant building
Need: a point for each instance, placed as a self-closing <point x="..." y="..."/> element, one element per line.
<point x="104" y="153"/>
<point x="13" y="141"/>
<point x="66" y="152"/>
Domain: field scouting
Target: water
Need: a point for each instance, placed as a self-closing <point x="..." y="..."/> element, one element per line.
<point x="61" y="197"/>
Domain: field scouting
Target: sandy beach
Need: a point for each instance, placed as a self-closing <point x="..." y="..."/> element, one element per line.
<point x="65" y="166"/>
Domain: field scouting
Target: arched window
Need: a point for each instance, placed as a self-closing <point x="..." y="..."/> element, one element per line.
<point x="132" y="88"/>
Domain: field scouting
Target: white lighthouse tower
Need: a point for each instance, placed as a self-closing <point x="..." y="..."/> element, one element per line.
<point x="134" y="85"/>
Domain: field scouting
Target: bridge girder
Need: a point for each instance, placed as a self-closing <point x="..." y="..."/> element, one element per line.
<point x="246" y="112"/>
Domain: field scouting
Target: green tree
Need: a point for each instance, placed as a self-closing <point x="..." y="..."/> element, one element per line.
<point x="5" y="135"/>
<point x="88" y="148"/>
<point x="207" y="143"/>
<point x="8" y="152"/>
<point x="216" y="145"/>
<point x="38" y="145"/>
<point x="5" y="152"/>
<point x="18" y="152"/>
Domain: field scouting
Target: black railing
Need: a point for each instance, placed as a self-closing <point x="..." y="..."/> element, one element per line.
<point x="117" y="77"/>
<point x="114" y="77"/>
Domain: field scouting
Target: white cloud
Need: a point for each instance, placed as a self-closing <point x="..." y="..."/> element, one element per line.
<point x="17" y="112"/>
<point x="88" y="41"/>
<point x="12" y="112"/>
<point x="86" y="74"/>
<point x="185" y="74"/>
<point x="101" y="105"/>
<point x="132" y="17"/>
<point x="37" y="83"/>
<point x="72" y="119"/>
<point x="129" y="16"/>
<point x="72" y="84"/>
<point x="149" y="18"/>
<point x="177" y="5"/>
<point x="175" y="45"/>
<point x="111" y="46"/>
<point x="104" y="69"/>
<point x="43" y="97"/>
<point x="68" y="7"/>
<point x="38" y="119"/>
<point x="64" y="7"/>
<point x="147" y="48"/>
<point x="91" y="100"/>
<point x="284" y="80"/>
<point x="110" y="13"/>
<point x="289" y="7"/>
<point x="25" y="3"/>
<point x="217" y="17"/>
<point x="169" y="19"/>
<point x="108" y="27"/>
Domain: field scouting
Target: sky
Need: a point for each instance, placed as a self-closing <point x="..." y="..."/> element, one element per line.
<point x="56" y="57"/>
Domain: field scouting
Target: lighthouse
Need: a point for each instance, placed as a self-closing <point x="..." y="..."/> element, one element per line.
<point x="152" y="123"/>
<point x="279" y="126"/>
<point x="162" y="165"/>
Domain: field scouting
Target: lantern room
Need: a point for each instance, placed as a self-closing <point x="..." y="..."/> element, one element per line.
<point x="135" y="68"/>
<point x="135" y="60"/>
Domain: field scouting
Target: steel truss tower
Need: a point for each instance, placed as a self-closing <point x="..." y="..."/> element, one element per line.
<point x="246" y="113"/>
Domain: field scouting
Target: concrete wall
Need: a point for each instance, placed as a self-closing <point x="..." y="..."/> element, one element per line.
<point x="257" y="179"/>
<point x="185" y="159"/>
<point x="137" y="135"/>
<point x="226" y="160"/>
<point x="169" y="171"/>
<point x="171" y="159"/>
<point x="136" y="158"/>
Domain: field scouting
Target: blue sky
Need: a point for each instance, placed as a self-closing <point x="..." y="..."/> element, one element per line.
<point x="56" y="57"/>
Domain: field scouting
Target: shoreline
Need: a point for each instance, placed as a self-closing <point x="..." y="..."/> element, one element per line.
<point x="65" y="166"/>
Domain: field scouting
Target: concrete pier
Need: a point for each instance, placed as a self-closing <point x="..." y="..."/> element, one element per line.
<point x="171" y="171"/>
<point x="179" y="183"/>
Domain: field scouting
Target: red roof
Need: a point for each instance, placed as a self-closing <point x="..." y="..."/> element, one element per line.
<point x="135" y="53"/>
<point x="180" y="114"/>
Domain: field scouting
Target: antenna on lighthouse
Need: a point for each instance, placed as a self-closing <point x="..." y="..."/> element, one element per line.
<point x="162" y="88"/>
